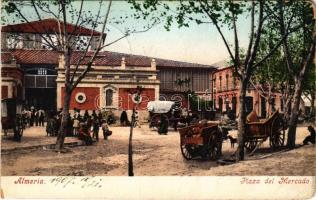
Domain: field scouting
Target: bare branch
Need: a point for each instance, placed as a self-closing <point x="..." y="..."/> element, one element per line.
<point x="76" y="24"/>
<point x="88" y="67"/>
<point x="66" y="48"/>
<point x="286" y="50"/>
<point x="35" y="29"/>
<point x="48" y="11"/>
<point x="87" y="48"/>
<point x="249" y="66"/>
<point x="36" y="11"/>
<point x="129" y="33"/>
<point x="252" y="27"/>
<point x="237" y="58"/>
<point x="237" y="55"/>
<point x="309" y="57"/>
<point x="218" y="29"/>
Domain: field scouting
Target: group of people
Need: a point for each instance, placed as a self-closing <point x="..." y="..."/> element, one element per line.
<point x="87" y="124"/>
<point x="86" y="127"/>
<point x="33" y="117"/>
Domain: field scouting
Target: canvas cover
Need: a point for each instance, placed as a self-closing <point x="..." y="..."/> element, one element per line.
<point x="159" y="106"/>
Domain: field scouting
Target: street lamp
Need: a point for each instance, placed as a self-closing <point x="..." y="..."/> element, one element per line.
<point x="136" y="99"/>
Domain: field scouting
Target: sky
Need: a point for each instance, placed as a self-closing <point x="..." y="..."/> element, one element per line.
<point x="197" y="44"/>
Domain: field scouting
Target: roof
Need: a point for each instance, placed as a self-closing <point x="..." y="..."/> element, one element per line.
<point x="47" y="26"/>
<point x="6" y="57"/>
<point x="104" y="58"/>
<point x="30" y="56"/>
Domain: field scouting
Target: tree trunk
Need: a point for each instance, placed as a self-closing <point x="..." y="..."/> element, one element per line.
<point x="294" y="114"/>
<point x="64" y="121"/>
<point x="287" y="99"/>
<point x="241" y="121"/>
<point x="312" y="111"/>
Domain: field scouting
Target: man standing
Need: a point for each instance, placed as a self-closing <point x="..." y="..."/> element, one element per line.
<point x="163" y="127"/>
<point x="95" y="127"/>
<point x="41" y="117"/>
<point x="105" y="129"/>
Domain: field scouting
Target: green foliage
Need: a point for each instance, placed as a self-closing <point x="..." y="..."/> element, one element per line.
<point x="298" y="17"/>
<point x="184" y="12"/>
<point x="196" y="103"/>
<point x="273" y="70"/>
<point x="10" y="7"/>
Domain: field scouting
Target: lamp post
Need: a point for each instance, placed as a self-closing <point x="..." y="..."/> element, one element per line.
<point x="136" y="100"/>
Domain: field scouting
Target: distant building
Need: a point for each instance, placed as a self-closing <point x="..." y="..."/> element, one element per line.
<point x="225" y="92"/>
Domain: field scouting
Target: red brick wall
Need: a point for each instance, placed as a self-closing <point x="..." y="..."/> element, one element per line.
<point x="223" y="74"/>
<point x="15" y="73"/>
<point x="126" y="103"/>
<point x="92" y="98"/>
<point x="4" y="91"/>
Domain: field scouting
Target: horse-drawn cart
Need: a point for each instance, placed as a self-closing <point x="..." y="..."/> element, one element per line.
<point x="11" y="117"/>
<point x="260" y="130"/>
<point x="170" y="111"/>
<point x="201" y="140"/>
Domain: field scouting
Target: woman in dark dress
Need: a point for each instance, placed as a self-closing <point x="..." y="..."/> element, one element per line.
<point x="123" y="118"/>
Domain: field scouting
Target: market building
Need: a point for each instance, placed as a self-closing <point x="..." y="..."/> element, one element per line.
<point x="38" y="77"/>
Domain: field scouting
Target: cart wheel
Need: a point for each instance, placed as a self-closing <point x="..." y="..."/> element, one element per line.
<point x="250" y="145"/>
<point x="215" y="152"/>
<point x="185" y="150"/>
<point x="277" y="136"/>
<point x="214" y="146"/>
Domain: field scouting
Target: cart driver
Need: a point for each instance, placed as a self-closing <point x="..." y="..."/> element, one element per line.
<point x="163" y="127"/>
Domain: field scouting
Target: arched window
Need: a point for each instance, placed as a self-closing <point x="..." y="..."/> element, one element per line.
<point x="109" y="97"/>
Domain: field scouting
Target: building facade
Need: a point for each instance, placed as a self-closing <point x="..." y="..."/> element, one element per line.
<point x="39" y="75"/>
<point x="225" y="92"/>
<point x="11" y="78"/>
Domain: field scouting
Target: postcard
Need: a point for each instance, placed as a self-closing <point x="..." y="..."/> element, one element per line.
<point x="158" y="99"/>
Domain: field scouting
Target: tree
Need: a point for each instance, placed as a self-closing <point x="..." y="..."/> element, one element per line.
<point x="63" y="44"/>
<point x="65" y="41"/>
<point x="222" y="14"/>
<point x="299" y="51"/>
